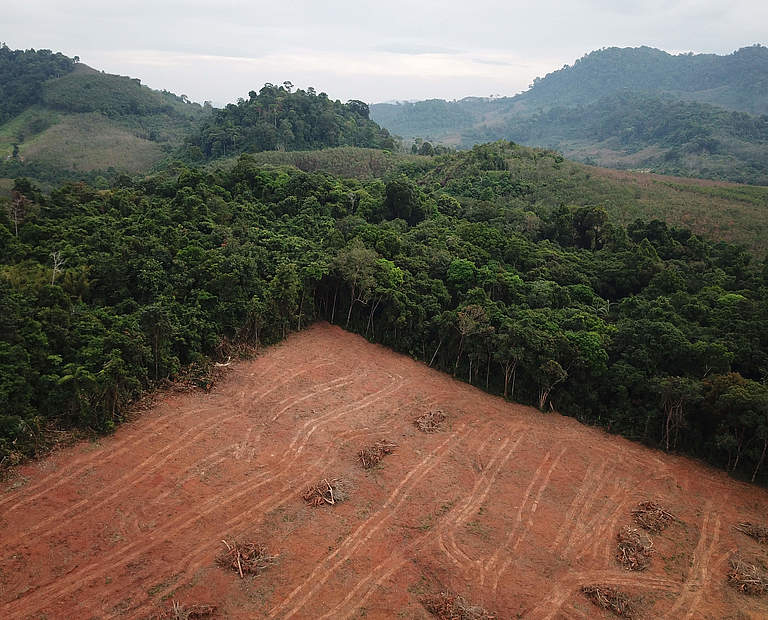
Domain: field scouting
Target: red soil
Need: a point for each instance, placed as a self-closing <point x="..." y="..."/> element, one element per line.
<point x="511" y="508"/>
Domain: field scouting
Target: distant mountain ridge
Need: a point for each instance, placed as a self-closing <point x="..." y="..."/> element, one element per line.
<point x="707" y="112"/>
<point x="737" y="81"/>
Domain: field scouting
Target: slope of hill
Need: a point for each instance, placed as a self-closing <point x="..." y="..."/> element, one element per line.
<point x="626" y="108"/>
<point x="507" y="507"/>
<point x="79" y="120"/>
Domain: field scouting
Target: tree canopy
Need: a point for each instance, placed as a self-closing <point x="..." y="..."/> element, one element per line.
<point x="647" y="330"/>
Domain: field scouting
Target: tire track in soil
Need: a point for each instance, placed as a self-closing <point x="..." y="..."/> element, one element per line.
<point x="77" y="578"/>
<point x="203" y="555"/>
<point x="483" y="471"/>
<point x="369" y="527"/>
<point x="583" y="531"/>
<point x="570" y="584"/>
<point x="447" y="523"/>
<point x="147" y="467"/>
<point x="601" y="537"/>
<point x="593" y="479"/>
<point x="144" y="432"/>
<point x="698" y="578"/>
<point x="202" y="558"/>
<point x="214" y="502"/>
<point x="473" y="502"/>
<point x="517" y="534"/>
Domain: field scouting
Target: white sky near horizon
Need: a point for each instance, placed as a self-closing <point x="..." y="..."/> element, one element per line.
<point x="373" y="51"/>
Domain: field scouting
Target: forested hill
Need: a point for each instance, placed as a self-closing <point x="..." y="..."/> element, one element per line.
<point x="60" y="119"/>
<point x="635" y="108"/>
<point x="476" y="263"/>
<point x="22" y="74"/>
<point x="737" y="81"/>
<point x="277" y="119"/>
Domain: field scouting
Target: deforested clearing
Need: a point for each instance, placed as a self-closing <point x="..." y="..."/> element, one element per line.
<point x="515" y="509"/>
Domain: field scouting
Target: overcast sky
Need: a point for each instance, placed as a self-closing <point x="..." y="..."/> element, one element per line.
<point x="374" y="51"/>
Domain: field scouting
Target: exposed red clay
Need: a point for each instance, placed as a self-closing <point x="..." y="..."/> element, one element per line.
<point x="511" y="508"/>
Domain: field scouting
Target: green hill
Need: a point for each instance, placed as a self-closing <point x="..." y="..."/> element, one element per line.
<point x="75" y="122"/>
<point x="737" y="81"/>
<point x="276" y="119"/>
<point x="636" y="108"/>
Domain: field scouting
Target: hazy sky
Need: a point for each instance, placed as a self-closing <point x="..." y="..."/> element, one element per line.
<point x="374" y="51"/>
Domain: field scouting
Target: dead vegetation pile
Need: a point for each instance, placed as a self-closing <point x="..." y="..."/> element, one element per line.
<point x="197" y="376"/>
<point x="758" y="532"/>
<point x="652" y="517"/>
<point x="372" y="455"/>
<point x="177" y="611"/>
<point x="447" y="606"/>
<point x="430" y="422"/>
<point x="747" y="577"/>
<point x="612" y="599"/>
<point x="245" y="558"/>
<point x="327" y="491"/>
<point x="634" y="549"/>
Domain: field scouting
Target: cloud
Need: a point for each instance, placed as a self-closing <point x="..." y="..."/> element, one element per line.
<point x="399" y="49"/>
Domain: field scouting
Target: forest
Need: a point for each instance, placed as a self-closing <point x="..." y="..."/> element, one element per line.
<point x="278" y="119"/>
<point x="22" y="75"/>
<point x="645" y="330"/>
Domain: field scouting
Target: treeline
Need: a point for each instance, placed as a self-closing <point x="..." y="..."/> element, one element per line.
<point x="277" y="119"/>
<point x="648" y="331"/>
<point x="22" y="74"/>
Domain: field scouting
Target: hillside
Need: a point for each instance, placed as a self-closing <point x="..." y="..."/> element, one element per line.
<point x="511" y="509"/>
<point x="79" y="122"/>
<point x="692" y="115"/>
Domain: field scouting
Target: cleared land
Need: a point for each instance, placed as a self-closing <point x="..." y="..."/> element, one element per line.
<point x="512" y="509"/>
<point x="90" y="142"/>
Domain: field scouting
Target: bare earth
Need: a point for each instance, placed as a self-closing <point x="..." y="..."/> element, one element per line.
<point x="513" y="509"/>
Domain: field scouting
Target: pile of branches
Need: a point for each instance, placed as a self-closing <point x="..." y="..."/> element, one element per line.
<point x="430" y="422"/>
<point x="747" y="577"/>
<point x="758" y="532"/>
<point x="372" y="455"/>
<point x="652" y="517"/>
<point x="327" y="492"/>
<point x="245" y="558"/>
<point x="196" y="376"/>
<point x="447" y="606"/>
<point x="634" y="549"/>
<point x="177" y="611"/>
<point x="610" y="598"/>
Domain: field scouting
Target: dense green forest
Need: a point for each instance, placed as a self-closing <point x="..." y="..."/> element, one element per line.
<point x="277" y="119"/>
<point x="22" y="75"/>
<point x="634" y="108"/>
<point x="646" y="330"/>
